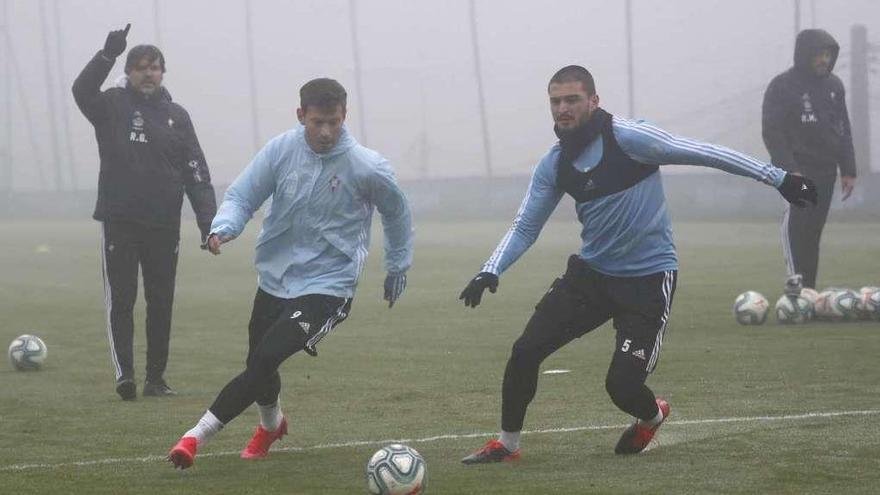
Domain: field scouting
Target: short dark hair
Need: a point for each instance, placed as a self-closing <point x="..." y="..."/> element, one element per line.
<point x="571" y="73"/>
<point x="323" y="93"/>
<point x="140" y="52"/>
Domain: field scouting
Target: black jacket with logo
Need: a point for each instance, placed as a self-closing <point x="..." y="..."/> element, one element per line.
<point x="149" y="153"/>
<point x="805" y="122"/>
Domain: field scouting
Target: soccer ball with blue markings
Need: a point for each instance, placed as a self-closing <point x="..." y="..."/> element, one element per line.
<point x="868" y="305"/>
<point x="396" y="470"/>
<point x="27" y="353"/>
<point x="837" y="304"/>
<point x="750" y="308"/>
<point x="791" y="310"/>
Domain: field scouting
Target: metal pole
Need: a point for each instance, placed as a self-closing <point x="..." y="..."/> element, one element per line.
<point x="6" y="154"/>
<point x="249" y="38"/>
<point x="50" y="94"/>
<point x="812" y="13"/>
<point x="157" y="23"/>
<point x="860" y="99"/>
<point x="479" y="73"/>
<point x="359" y="89"/>
<point x="797" y="17"/>
<point x="65" y="115"/>
<point x="629" y="60"/>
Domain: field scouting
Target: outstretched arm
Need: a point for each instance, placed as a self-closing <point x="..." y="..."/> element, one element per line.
<point x="537" y="206"/>
<point x="244" y="197"/>
<point x="397" y="225"/>
<point x="87" y="86"/>
<point x="654" y="146"/>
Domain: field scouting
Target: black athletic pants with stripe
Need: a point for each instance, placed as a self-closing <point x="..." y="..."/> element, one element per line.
<point x="278" y="329"/>
<point x="126" y="246"/>
<point x="802" y="232"/>
<point x="577" y="303"/>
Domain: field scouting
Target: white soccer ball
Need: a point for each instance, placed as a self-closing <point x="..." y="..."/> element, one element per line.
<point x="869" y="303"/>
<point x="27" y="352"/>
<point x="750" y="308"/>
<point x="799" y="310"/>
<point x="837" y="304"/>
<point x="810" y="295"/>
<point x="396" y="470"/>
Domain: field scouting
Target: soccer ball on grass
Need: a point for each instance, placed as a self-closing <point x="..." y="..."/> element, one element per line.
<point x="396" y="470"/>
<point x="750" y="308"/>
<point x="868" y="305"/>
<point x="27" y="352"/>
<point x="837" y="304"/>
<point x="793" y="309"/>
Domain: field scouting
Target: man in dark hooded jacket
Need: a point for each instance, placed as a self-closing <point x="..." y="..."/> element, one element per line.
<point x="806" y="130"/>
<point x="150" y="157"/>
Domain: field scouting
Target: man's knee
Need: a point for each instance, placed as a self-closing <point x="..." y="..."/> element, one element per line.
<point x="624" y="381"/>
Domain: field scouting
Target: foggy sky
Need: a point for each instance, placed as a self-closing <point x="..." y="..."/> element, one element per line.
<point x="701" y="67"/>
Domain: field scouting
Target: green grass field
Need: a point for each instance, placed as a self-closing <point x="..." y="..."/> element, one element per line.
<point x="769" y="409"/>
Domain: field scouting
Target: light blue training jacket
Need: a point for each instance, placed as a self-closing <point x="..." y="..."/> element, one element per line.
<point x="628" y="233"/>
<point x="316" y="230"/>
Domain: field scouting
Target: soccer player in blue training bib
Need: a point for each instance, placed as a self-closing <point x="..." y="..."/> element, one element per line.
<point x="626" y="269"/>
<point x="310" y="253"/>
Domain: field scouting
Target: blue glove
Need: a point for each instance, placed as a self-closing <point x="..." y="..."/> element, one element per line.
<point x="394" y="286"/>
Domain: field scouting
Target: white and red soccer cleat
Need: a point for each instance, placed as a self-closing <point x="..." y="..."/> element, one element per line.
<point x="493" y="451"/>
<point x="259" y="445"/>
<point x="637" y="437"/>
<point x="183" y="454"/>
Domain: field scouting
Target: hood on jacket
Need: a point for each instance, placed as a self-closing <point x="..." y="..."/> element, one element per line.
<point x="810" y="42"/>
<point x="346" y="142"/>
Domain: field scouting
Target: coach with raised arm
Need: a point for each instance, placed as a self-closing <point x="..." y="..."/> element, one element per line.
<point x="626" y="269"/>
<point x="150" y="157"/>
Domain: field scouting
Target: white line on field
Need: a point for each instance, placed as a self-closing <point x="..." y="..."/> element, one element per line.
<point x="450" y="436"/>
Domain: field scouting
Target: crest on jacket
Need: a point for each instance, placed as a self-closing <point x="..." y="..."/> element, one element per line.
<point x="807" y="115"/>
<point x="137" y="128"/>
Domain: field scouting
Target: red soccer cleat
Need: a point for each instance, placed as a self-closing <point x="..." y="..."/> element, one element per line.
<point x="493" y="451"/>
<point x="183" y="454"/>
<point x="259" y="445"/>
<point x="638" y="436"/>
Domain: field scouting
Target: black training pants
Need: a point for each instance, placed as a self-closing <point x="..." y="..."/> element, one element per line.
<point x="577" y="303"/>
<point x="802" y="231"/>
<point x="278" y="329"/>
<point x="125" y="247"/>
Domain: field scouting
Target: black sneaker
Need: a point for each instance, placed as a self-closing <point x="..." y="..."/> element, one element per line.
<point x="793" y="286"/>
<point x="127" y="389"/>
<point x="158" y="389"/>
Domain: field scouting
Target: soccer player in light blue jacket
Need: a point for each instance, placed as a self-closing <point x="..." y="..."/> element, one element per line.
<point x="310" y="253"/>
<point x="626" y="268"/>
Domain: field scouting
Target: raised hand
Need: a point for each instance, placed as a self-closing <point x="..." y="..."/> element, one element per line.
<point x="115" y="43"/>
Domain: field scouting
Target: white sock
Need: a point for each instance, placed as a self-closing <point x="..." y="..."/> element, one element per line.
<point x="654" y="422"/>
<point x="270" y="416"/>
<point x="205" y="428"/>
<point x="509" y="439"/>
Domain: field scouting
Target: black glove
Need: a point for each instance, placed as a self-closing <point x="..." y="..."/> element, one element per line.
<point x="798" y="190"/>
<point x="115" y="43"/>
<point x="474" y="290"/>
<point x="394" y="285"/>
<point x="206" y="233"/>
